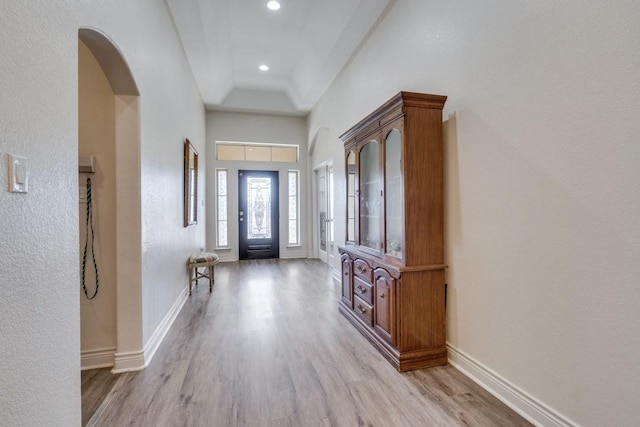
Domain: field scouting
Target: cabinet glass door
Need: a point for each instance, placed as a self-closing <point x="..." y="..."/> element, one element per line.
<point x="370" y="177"/>
<point x="393" y="193"/>
<point x="351" y="196"/>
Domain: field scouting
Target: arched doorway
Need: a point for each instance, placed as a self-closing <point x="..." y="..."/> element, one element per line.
<point x="323" y="199"/>
<point x="124" y="351"/>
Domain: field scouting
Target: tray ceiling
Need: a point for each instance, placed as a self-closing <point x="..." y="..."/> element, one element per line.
<point x="305" y="44"/>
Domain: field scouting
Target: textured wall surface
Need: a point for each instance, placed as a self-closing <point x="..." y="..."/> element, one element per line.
<point x="40" y="319"/>
<point x="227" y="126"/>
<point x="170" y="111"/>
<point x="542" y="195"/>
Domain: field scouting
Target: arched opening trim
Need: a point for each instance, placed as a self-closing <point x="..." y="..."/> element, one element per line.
<point x="111" y="60"/>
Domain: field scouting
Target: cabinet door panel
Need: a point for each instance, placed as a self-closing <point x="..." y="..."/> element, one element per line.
<point x="370" y="200"/>
<point x="347" y="294"/>
<point x="351" y="195"/>
<point x="393" y="190"/>
<point x="385" y="318"/>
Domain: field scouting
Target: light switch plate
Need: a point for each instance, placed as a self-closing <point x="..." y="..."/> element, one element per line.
<point x="18" y="174"/>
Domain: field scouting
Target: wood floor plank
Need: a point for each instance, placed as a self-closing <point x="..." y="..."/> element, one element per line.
<point x="95" y="385"/>
<point x="268" y="348"/>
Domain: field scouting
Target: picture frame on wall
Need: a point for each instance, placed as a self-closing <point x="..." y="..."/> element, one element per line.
<point x="190" y="184"/>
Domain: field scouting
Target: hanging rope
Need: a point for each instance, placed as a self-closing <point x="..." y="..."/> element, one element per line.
<point x="86" y="246"/>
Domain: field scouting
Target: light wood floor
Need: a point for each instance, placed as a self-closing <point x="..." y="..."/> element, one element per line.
<point x="95" y="384"/>
<point x="269" y="348"/>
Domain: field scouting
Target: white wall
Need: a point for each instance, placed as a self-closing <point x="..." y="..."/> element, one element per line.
<point x="263" y="128"/>
<point x="39" y="322"/>
<point x="542" y="196"/>
<point x="96" y="137"/>
<point x="170" y="111"/>
<point x="39" y="319"/>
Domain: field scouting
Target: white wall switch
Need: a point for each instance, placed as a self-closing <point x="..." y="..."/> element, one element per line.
<point x="18" y="174"/>
<point x="83" y="194"/>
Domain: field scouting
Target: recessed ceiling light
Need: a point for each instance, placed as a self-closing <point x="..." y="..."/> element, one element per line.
<point x="263" y="67"/>
<point x="273" y="5"/>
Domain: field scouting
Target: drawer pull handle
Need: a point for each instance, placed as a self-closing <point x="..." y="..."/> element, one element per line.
<point x="361" y="310"/>
<point x="346" y="273"/>
<point x="361" y="269"/>
<point x="362" y="289"/>
<point x="382" y="295"/>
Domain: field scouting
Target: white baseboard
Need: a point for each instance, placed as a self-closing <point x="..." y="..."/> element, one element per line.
<point x="138" y="360"/>
<point x="97" y="358"/>
<point x="289" y="255"/>
<point x="524" y="404"/>
<point x="161" y="331"/>
<point x="128" y="361"/>
<point x="336" y="275"/>
<point x="294" y="253"/>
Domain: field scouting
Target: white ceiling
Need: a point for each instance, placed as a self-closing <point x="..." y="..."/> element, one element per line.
<point x="306" y="43"/>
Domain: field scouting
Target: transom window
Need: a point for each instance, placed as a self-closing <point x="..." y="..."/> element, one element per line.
<point x="256" y="152"/>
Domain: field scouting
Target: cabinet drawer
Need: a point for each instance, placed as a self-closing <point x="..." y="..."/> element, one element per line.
<point x="363" y="290"/>
<point x="363" y="310"/>
<point x="362" y="270"/>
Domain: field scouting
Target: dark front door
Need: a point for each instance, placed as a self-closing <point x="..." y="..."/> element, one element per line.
<point x="258" y="214"/>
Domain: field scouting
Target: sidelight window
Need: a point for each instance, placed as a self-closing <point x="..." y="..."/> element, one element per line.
<point x="294" y="209"/>
<point x="222" y="208"/>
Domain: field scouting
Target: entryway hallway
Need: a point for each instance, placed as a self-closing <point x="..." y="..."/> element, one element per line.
<point x="269" y="348"/>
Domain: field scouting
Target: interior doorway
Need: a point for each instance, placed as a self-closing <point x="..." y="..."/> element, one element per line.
<point x="109" y="133"/>
<point x="324" y="214"/>
<point x="125" y="285"/>
<point x="258" y="214"/>
<point x="97" y="222"/>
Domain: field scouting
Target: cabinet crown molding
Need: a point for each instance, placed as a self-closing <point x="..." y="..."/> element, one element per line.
<point x="408" y="99"/>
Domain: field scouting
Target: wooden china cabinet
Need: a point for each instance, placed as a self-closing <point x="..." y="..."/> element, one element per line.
<point x="393" y="272"/>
